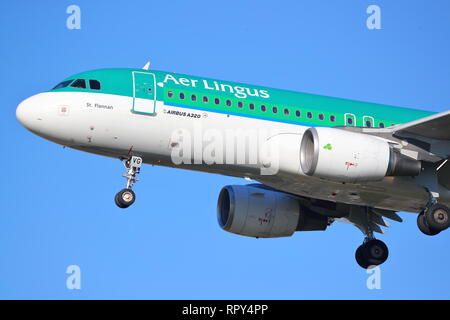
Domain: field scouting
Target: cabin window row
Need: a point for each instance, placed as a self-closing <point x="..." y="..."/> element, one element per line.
<point x="263" y="108"/>
<point x="251" y="106"/>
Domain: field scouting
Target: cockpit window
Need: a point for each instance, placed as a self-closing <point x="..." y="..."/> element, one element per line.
<point x="62" y="84"/>
<point x="79" y="83"/>
<point x="94" y="84"/>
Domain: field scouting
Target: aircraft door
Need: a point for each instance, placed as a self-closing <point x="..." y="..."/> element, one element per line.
<point x="144" y="93"/>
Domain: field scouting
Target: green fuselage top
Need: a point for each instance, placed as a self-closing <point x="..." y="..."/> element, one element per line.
<point x="246" y="100"/>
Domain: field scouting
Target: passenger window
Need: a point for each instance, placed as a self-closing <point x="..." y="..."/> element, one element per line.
<point x="170" y="94"/>
<point x="381" y="125"/>
<point x="309" y="115"/>
<point x="181" y="95"/>
<point x="217" y="101"/>
<point x="263" y="108"/>
<point x="251" y="106"/>
<point x="286" y="111"/>
<point x="79" y="83"/>
<point x="193" y="97"/>
<point x="94" y="84"/>
<point x="228" y="102"/>
<point x="368" y="123"/>
<point x="240" y="104"/>
<point x="274" y="109"/>
<point x="62" y="84"/>
<point x="205" y="99"/>
<point x="298" y="113"/>
<point x="350" y="120"/>
<point x="332" y="118"/>
<point x="320" y="116"/>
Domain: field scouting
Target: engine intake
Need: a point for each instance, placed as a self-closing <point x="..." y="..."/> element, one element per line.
<point x="263" y="213"/>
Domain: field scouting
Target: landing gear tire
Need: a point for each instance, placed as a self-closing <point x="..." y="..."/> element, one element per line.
<point x="371" y="253"/>
<point x="437" y="217"/>
<point x="360" y="258"/>
<point x="125" y="198"/>
<point x="423" y="226"/>
<point x="375" y="252"/>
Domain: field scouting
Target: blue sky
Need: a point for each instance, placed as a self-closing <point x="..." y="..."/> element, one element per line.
<point x="58" y="207"/>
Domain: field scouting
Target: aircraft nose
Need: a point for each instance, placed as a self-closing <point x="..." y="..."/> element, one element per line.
<point x="22" y="113"/>
<point x="41" y="115"/>
<point x="27" y="113"/>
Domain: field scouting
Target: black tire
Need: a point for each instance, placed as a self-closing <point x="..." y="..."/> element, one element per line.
<point x="125" y="198"/>
<point x="423" y="226"/>
<point x="438" y="217"/>
<point x="360" y="258"/>
<point x="116" y="200"/>
<point x="375" y="252"/>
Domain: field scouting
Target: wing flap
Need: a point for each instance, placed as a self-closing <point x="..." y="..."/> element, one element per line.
<point x="388" y="214"/>
<point x="379" y="220"/>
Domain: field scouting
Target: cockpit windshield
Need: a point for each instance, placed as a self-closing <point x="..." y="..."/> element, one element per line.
<point x="94" y="84"/>
<point x="79" y="84"/>
<point x="62" y="84"/>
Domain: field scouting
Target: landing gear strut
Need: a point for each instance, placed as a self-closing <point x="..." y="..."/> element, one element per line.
<point x="126" y="197"/>
<point x="372" y="252"/>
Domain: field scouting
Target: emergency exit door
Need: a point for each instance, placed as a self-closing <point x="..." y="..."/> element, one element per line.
<point x="144" y="93"/>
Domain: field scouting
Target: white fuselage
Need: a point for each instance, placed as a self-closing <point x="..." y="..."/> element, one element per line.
<point x="104" y="124"/>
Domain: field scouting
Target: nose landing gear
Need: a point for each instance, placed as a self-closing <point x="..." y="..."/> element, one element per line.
<point x="126" y="197"/>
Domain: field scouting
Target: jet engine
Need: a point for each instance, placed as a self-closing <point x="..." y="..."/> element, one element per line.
<point x="255" y="211"/>
<point x="345" y="156"/>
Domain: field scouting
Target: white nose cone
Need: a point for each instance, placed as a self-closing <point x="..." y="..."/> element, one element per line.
<point x="30" y="113"/>
<point x="39" y="114"/>
<point x="23" y="114"/>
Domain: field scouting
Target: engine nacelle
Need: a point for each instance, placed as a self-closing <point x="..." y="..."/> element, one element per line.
<point x="257" y="212"/>
<point x="346" y="156"/>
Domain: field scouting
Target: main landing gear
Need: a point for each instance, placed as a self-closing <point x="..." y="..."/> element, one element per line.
<point x="434" y="219"/>
<point x="126" y="197"/>
<point x="372" y="252"/>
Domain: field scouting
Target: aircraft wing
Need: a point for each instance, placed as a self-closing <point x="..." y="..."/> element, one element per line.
<point x="429" y="135"/>
<point x="434" y="127"/>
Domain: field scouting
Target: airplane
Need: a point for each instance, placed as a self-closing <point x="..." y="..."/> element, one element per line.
<point x="314" y="160"/>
